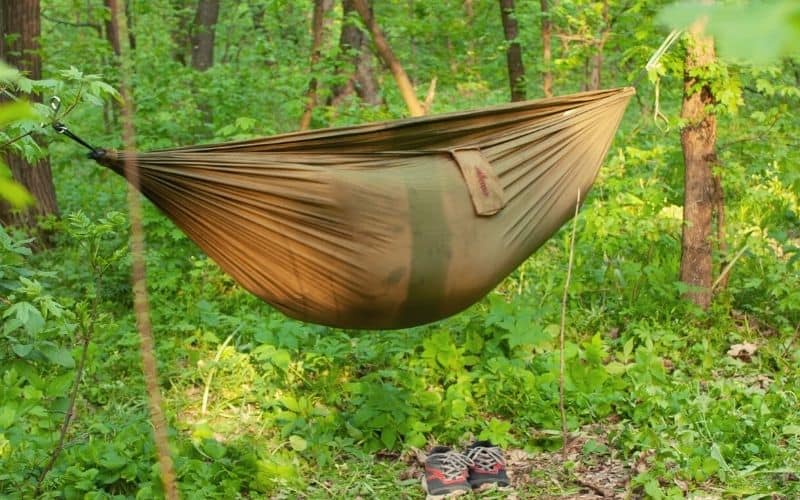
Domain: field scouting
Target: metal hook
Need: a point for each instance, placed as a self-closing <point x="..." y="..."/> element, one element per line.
<point x="55" y="104"/>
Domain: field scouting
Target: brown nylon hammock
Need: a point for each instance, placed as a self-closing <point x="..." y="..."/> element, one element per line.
<point x="386" y="225"/>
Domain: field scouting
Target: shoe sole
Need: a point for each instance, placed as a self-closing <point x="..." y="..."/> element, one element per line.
<point x="491" y="485"/>
<point x="449" y="494"/>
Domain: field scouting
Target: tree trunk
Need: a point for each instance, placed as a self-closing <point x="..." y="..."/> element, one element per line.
<point x="547" y="54"/>
<point x="321" y="7"/>
<point x="112" y="30"/>
<point x="385" y="53"/>
<point x="351" y="48"/>
<point x="698" y="138"/>
<point x="19" y="46"/>
<point x="596" y="60"/>
<point x="595" y="67"/>
<point x="516" y="71"/>
<point x="130" y="24"/>
<point x="203" y="40"/>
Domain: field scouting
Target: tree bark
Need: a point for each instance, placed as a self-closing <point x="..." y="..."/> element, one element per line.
<point x="112" y="30"/>
<point x="203" y="40"/>
<point x="596" y="60"/>
<point x="385" y="52"/>
<point x="351" y="46"/>
<point x="547" y="54"/>
<point x="698" y="138"/>
<point x="516" y="71"/>
<point x="321" y="7"/>
<point x="19" y="46"/>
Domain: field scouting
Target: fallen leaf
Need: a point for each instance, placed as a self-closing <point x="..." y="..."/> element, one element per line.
<point x="742" y="351"/>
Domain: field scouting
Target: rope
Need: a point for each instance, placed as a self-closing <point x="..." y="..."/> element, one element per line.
<point x="656" y="57"/>
<point x="665" y="45"/>
<point x="651" y="65"/>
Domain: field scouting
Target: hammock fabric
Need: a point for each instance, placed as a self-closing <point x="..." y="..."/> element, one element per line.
<point x="386" y="225"/>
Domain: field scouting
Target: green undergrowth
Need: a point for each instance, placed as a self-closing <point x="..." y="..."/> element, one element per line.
<point x="263" y="405"/>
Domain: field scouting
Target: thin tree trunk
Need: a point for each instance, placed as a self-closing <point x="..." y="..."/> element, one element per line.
<point x="547" y="54"/>
<point x="698" y="138"/>
<point x="385" y="52"/>
<point x="596" y="60"/>
<point x="19" y="46"/>
<point x="321" y="7"/>
<point x="516" y="71"/>
<point x="719" y="216"/>
<point x="469" y="10"/>
<point x="130" y="23"/>
<point x="595" y="67"/>
<point x="351" y="48"/>
<point x="112" y="30"/>
<point x="203" y="40"/>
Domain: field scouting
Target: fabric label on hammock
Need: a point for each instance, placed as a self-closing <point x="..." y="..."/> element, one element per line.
<point x="482" y="182"/>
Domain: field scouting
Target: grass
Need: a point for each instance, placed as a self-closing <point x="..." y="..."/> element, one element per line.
<point x="656" y="406"/>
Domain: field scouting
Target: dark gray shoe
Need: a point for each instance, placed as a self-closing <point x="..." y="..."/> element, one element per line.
<point x="488" y="465"/>
<point x="446" y="473"/>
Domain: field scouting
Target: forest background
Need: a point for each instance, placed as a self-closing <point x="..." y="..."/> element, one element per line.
<point x="673" y="387"/>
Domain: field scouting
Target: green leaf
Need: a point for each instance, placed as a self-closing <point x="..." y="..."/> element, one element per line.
<point x="15" y="111"/>
<point x="791" y="430"/>
<point x="7" y="416"/>
<point x="389" y="436"/>
<point x="113" y="460"/>
<point x="297" y="443"/>
<point x="653" y="489"/>
<point x="22" y="350"/>
<point x="214" y="448"/>
<point x="12" y="191"/>
<point x="27" y="315"/>
<point x="616" y="368"/>
<point x="526" y="335"/>
<point x="760" y="33"/>
<point x="57" y="355"/>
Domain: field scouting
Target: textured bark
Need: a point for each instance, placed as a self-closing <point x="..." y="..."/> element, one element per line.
<point x="698" y="138"/>
<point x="595" y="68"/>
<point x="321" y="7"/>
<point x="203" y="39"/>
<point x="547" y="54"/>
<point x="385" y="52"/>
<point x="19" y="46"/>
<point x="351" y="46"/>
<point x="596" y="60"/>
<point x="112" y="30"/>
<point x="516" y="70"/>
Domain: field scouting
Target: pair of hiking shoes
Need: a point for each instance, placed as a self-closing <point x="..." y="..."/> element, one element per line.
<point x="452" y="473"/>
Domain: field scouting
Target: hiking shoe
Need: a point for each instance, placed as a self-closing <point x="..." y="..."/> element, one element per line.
<point x="446" y="473"/>
<point x="487" y="465"/>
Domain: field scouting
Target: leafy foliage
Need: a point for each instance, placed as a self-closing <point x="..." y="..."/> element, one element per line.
<point x="261" y="405"/>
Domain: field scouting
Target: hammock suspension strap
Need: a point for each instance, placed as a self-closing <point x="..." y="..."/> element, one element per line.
<point x="94" y="153"/>
<point x="59" y="127"/>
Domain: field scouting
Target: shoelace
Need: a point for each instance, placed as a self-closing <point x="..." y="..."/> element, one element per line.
<point x="451" y="463"/>
<point x="486" y="458"/>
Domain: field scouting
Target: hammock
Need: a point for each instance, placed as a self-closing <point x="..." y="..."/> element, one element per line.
<point x="385" y="225"/>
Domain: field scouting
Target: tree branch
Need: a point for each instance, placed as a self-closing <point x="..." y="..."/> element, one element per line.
<point x="93" y="26"/>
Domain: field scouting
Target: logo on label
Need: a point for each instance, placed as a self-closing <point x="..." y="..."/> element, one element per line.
<point x="482" y="181"/>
